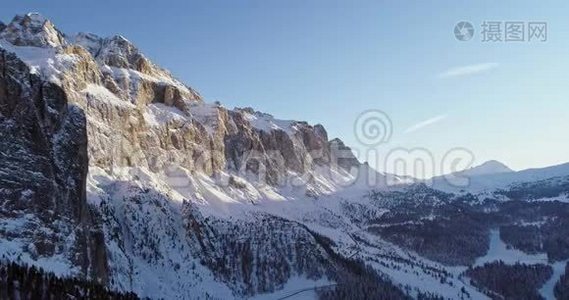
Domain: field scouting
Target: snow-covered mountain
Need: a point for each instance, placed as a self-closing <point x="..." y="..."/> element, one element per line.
<point x="113" y="170"/>
<point x="489" y="167"/>
<point x="493" y="175"/>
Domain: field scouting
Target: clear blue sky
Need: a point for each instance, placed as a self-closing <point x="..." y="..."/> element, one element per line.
<point x="327" y="61"/>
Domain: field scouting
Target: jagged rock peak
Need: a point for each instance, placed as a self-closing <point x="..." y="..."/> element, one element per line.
<point x="252" y="111"/>
<point x="337" y="141"/>
<point x="118" y="52"/>
<point x="115" y="51"/>
<point x="343" y="155"/>
<point x="338" y="144"/>
<point x="90" y="41"/>
<point x="34" y="30"/>
<point x="110" y="54"/>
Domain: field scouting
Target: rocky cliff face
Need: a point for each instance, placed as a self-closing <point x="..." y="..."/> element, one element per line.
<point x="77" y="105"/>
<point x="43" y="170"/>
<point x="139" y="115"/>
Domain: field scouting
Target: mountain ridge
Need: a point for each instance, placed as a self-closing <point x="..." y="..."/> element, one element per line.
<point x="113" y="170"/>
<point x="140" y="165"/>
<point x="479" y="182"/>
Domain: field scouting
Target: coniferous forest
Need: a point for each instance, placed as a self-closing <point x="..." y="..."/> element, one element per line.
<point x="23" y="282"/>
<point x="501" y="281"/>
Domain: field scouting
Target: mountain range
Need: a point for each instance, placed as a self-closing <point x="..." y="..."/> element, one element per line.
<point x="116" y="174"/>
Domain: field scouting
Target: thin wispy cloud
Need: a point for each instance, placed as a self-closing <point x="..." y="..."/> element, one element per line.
<point x="468" y="70"/>
<point x="425" y="123"/>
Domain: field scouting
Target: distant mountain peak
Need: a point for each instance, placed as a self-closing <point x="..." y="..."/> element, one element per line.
<point x="488" y="167"/>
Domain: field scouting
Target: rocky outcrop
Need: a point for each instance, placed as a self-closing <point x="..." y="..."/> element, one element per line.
<point x="342" y="155"/>
<point x="43" y="170"/>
